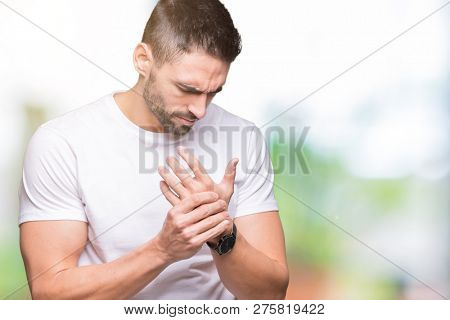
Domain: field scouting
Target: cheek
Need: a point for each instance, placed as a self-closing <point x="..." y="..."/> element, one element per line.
<point x="176" y="103"/>
<point x="171" y="99"/>
<point x="171" y="95"/>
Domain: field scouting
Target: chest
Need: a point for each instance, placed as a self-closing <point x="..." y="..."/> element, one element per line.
<point x="120" y="189"/>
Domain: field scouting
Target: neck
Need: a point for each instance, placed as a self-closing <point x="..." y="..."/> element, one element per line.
<point x="134" y="107"/>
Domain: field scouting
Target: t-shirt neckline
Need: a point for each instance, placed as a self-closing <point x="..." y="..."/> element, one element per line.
<point x="145" y="136"/>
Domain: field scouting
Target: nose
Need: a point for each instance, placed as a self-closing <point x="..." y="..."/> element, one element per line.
<point x="198" y="107"/>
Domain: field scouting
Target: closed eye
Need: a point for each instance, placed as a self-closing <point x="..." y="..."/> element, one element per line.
<point x="190" y="90"/>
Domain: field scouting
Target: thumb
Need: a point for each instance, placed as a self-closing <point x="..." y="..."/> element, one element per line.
<point x="230" y="171"/>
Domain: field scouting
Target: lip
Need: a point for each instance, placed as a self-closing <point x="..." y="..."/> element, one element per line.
<point x="185" y="121"/>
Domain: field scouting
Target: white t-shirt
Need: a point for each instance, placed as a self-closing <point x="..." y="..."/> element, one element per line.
<point x="94" y="165"/>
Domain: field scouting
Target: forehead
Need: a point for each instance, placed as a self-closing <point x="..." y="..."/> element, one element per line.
<point x="197" y="68"/>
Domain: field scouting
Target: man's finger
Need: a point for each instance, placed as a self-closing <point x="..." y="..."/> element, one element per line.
<point x="195" y="165"/>
<point x="204" y="211"/>
<point x="212" y="233"/>
<point x="207" y="223"/>
<point x="170" y="196"/>
<point x="173" y="182"/>
<point x="179" y="171"/>
<point x="230" y="171"/>
<point x="190" y="203"/>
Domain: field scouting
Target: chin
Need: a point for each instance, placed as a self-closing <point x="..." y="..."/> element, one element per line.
<point x="180" y="131"/>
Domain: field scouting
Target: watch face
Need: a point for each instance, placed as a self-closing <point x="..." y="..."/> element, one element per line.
<point x="227" y="244"/>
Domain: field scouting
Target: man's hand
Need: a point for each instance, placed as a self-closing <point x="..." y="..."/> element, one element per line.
<point x="190" y="223"/>
<point x="201" y="181"/>
<point x="187" y="185"/>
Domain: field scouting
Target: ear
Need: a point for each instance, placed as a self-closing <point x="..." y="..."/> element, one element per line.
<point x="143" y="59"/>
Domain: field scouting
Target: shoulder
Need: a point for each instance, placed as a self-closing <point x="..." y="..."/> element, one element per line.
<point x="63" y="134"/>
<point x="76" y="121"/>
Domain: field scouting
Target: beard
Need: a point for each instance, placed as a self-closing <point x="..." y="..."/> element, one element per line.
<point x="155" y="103"/>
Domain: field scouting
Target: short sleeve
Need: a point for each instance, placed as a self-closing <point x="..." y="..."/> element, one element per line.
<point x="49" y="187"/>
<point x="255" y="192"/>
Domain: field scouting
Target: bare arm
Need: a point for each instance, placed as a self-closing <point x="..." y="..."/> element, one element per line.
<point x="256" y="267"/>
<point x="51" y="250"/>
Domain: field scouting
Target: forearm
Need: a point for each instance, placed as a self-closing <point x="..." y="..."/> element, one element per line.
<point x="118" y="279"/>
<point x="250" y="274"/>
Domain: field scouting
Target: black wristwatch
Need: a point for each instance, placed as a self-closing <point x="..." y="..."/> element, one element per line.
<point x="226" y="242"/>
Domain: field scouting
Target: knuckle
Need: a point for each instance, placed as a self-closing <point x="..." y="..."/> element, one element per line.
<point x="171" y="213"/>
<point x="222" y="204"/>
<point x="213" y="195"/>
<point x="192" y="243"/>
<point x="186" y="235"/>
<point x="178" y="225"/>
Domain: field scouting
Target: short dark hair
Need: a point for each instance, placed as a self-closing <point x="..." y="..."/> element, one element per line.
<point x="177" y="26"/>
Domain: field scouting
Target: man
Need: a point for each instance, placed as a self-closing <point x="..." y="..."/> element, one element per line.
<point x="96" y="219"/>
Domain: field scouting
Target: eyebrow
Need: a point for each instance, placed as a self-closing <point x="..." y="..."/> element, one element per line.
<point x="192" y="89"/>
